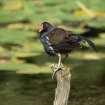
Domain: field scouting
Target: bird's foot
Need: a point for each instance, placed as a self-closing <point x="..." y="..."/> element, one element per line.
<point x="60" y="67"/>
<point x="56" y="68"/>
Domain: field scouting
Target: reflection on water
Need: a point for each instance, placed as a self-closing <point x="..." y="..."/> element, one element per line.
<point x="87" y="87"/>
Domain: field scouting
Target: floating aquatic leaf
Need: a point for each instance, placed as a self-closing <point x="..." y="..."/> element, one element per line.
<point x="15" y="36"/>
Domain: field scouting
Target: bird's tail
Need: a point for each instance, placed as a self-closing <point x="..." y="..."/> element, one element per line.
<point x="89" y="42"/>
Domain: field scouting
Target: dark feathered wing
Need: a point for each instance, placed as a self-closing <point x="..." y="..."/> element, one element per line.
<point x="67" y="42"/>
<point x="71" y="41"/>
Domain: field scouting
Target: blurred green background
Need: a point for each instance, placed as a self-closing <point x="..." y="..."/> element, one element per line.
<point x="25" y="72"/>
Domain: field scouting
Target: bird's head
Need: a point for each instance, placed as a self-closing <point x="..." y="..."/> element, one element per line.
<point x="45" y="26"/>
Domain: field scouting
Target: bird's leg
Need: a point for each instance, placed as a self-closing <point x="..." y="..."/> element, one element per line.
<point x="60" y="65"/>
<point x="66" y="56"/>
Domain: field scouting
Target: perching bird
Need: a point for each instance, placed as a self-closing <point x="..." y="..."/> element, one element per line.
<point x="57" y="41"/>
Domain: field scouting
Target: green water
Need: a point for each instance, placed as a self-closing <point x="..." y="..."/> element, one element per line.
<point x="87" y="86"/>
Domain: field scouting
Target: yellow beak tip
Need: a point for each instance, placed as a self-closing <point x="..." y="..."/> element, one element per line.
<point x="39" y="30"/>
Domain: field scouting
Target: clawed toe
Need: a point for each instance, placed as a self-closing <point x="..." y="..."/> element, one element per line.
<point x="61" y="66"/>
<point x="52" y="66"/>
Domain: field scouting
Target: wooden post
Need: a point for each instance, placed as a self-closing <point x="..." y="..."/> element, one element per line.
<point x="63" y="86"/>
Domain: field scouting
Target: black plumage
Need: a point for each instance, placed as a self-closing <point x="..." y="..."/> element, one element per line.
<point x="58" y="41"/>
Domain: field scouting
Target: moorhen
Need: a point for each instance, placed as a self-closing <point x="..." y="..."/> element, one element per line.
<point x="57" y="41"/>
